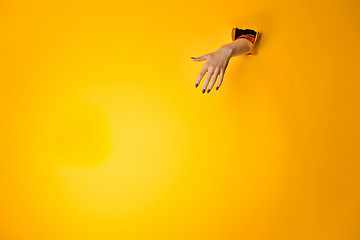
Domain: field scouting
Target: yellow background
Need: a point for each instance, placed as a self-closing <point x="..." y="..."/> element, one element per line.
<point x="104" y="136"/>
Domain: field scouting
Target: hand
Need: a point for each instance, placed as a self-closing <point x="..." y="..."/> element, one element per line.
<point x="216" y="64"/>
<point x="217" y="61"/>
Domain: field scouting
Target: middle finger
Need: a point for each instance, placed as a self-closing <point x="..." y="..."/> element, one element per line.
<point x="207" y="79"/>
<point x="201" y="75"/>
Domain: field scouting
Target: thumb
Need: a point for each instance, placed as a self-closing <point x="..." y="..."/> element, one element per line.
<point x="199" y="59"/>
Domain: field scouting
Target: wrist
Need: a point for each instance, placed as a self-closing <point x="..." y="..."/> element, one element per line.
<point x="227" y="50"/>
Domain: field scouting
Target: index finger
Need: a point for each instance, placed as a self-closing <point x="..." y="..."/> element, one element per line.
<point x="201" y="75"/>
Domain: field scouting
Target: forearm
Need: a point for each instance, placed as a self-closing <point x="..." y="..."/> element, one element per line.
<point x="241" y="46"/>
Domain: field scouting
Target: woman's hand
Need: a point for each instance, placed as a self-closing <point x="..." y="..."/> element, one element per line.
<point x="217" y="62"/>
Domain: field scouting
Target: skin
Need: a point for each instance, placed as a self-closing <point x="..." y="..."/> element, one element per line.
<point x="217" y="62"/>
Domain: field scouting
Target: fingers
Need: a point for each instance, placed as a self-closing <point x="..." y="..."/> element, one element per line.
<point x="210" y="74"/>
<point x="213" y="70"/>
<point x="207" y="79"/>
<point x="221" y="76"/>
<point x="201" y="75"/>
<point x="213" y="79"/>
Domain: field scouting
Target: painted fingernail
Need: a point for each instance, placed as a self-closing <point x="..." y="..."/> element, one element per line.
<point x="203" y="91"/>
<point x="196" y="84"/>
<point x="217" y="88"/>
<point x="192" y="58"/>
<point x="208" y="90"/>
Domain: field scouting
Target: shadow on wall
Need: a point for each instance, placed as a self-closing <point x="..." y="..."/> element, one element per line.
<point x="258" y="43"/>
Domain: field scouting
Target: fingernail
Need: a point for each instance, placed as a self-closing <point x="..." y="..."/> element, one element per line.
<point x="192" y="58"/>
<point x="196" y="84"/>
<point x="208" y="90"/>
<point x="217" y="88"/>
<point x="203" y="91"/>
